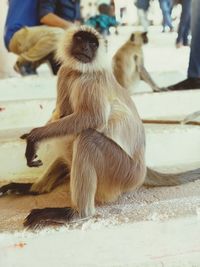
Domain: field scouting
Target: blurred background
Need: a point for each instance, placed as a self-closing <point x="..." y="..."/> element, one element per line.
<point x="128" y="17"/>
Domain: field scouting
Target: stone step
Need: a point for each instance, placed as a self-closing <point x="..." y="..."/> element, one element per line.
<point x="32" y="87"/>
<point x="25" y="113"/>
<point x="29" y="102"/>
<point x="166" y="146"/>
<point x="35" y="112"/>
<point x="167" y="104"/>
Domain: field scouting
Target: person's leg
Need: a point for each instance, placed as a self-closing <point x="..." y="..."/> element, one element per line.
<point x="168" y="14"/>
<point x="187" y="7"/>
<point x="187" y="32"/>
<point x="194" y="63"/>
<point x="165" y="7"/>
<point x="193" y="80"/>
<point x="184" y="25"/>
<point x="142" y="15"/>
<point x="162" y="7"/>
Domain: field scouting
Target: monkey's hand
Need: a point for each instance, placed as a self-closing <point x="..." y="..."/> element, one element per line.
<point x="31" y="149"/>
<point x="161" y="90"/>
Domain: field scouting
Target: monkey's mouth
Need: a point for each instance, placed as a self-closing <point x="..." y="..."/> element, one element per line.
<point x="83" y="57"/>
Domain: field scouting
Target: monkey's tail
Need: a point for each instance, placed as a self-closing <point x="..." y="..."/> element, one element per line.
<point x="154" y="178"/>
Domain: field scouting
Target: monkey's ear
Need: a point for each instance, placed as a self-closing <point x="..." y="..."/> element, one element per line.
<point x="145" y="38"/>
<point x="132" y="38"/>
<point x="24" y="136"/>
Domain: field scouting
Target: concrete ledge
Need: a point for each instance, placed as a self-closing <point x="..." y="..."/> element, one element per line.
<point x="172" y="145"/>
<point x="32" y="87"/>
<point x="172" y="243"/>
<point x="25" y="113"/>
<point x="166" y="146"/>
<point x="36" y="112"/>
<point x="167" y="104"/>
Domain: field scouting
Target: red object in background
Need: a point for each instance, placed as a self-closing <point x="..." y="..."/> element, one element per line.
<point x="20" y="245"/>
<point x="2" y="109"/>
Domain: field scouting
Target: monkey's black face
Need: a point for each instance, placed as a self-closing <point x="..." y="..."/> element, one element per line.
<point x="84" y="47"/>
<point x="137" y="37"/>
<point x="145" y="38"/>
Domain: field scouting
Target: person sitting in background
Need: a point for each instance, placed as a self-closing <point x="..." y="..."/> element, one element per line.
<point x="32" y="42"/>
<point x="193" y="80"/>
<point x="184" y="25"/>
<point x="166" y="8"/>
<point x="104" y="20"/>
<point x="142" y="9"/>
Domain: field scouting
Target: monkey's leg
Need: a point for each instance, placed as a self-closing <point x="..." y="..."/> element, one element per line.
<point x="83" y="183"/>
<point x="99" y="166"/>
<point x="83" y="179"/>
<point x="17" y="188"/>
<point x="102" y="170"/>
<point x="144" y="75"/>
<point x="48" y="216"/>
<point x="55" y="175"/>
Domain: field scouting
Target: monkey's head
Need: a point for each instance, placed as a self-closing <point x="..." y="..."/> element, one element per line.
<point x="83" y="49"/>
<point x="139" y="38"/>
<point x="84" y="46"/>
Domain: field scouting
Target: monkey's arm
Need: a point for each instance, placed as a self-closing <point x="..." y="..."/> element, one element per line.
<point x="144" y="75"/>
<point x="72" y="124"/>
<point x="69" y="125"/>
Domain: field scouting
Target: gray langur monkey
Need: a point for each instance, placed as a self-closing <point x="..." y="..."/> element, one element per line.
<point x="99" y="135"/>
<point x="128" y="63"/>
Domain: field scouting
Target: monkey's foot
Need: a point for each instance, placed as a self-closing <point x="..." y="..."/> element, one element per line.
<point x="39" y="218"/>
<point x="160" y="90"/>
<point x="17" y="188"/>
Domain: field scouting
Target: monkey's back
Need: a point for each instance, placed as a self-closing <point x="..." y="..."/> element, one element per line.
<point x="125" y="65"/>
<point x="124" y="125"/>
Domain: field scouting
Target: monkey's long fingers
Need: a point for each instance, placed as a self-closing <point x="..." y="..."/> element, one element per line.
<point x="17" y="188"/>
<point x="36" y="163"/>
<point x="160" y="90"/>
<point x="164" y="89"/>
<point x="30" y="154"/>
<point x="24" y="136"/>
<point x="39" y="218"/>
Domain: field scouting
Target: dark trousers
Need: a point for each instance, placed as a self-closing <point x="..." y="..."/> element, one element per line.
<point x="184" y="25"/>
<point x="194" y="64"/>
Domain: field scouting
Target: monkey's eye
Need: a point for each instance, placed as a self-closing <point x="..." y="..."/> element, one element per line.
<point x="93" y="44"/>
<point x="78" y="38"/>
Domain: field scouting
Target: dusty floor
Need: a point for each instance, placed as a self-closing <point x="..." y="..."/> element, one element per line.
<point x="146" y="204"/>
